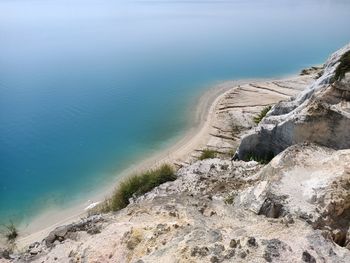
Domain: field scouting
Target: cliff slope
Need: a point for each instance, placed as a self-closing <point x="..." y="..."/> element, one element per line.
<point x="319" y="114"/>
<point x="295" y="209"/>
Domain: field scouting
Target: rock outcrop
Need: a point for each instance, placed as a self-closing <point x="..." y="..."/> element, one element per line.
<point x="319" y="114"/>
<point x="236" y="110"/>
<point x="309" y="182"/>
<point x="295" y="209"/>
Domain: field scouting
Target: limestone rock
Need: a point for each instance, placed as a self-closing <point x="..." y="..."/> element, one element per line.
<point x="190" y="220"/>
<point x="306" y="181"/>
<point x="319" y="114"/>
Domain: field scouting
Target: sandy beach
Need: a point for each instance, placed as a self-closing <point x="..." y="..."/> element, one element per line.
<point x="211" y="115"/>
<point x="202" y="115"/>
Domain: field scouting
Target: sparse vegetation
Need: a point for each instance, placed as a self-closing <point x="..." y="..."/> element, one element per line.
<point x="10" y="232"/>
<point x="224" y="167"/>
<point x="235" y="128"/>
<point x="343" y="67"/>
<point x="263" y="159"/>
<point x="262" y="114"/>
<point x="135" y="186"/>
<point x="319" y="74"/>
<point x="207" y="154"/>
<point x="229" y="199"/>
<point x="231" y="152"/>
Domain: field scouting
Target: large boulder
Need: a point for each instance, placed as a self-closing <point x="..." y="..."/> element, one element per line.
<point x="308" y="182"/>
<point x="319" y="114"/>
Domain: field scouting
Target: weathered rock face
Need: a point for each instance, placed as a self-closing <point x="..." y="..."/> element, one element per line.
<point x="308" y="182"/>
<point x="296" y="209"/>
<point x="320" y="114"/>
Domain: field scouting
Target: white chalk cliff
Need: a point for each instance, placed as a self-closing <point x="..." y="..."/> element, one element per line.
<point x="319" y="114"/>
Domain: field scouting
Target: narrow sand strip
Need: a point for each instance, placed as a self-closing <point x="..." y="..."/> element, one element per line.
<point x="195" y="137"/>
<point x="207" y="114"/>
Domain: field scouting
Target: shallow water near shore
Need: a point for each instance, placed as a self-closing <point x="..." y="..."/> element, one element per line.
<point x="89" y="88"/>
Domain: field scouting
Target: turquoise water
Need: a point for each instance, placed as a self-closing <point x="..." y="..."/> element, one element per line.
<point x="88" y="88"/>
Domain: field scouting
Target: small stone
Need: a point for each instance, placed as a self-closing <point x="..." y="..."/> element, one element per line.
<point x="233" y="243"/>
<point x="35" y="244"/>
<point x="271" y="208"/>
<point x="230" y="254"/>
<point x="252" y="242"/>
<point x="215" y="236"/>
<point x="289" y="219"/>
<point x="203" y="251"/>
<point x="194" y="251"/>
<point x="339" y="236"/>
<point x="172" y="213"/>
<point x="35" y="251"/>
<point x="218" y="249"/>
<point x="5" y="254"/>
<point x="215" y="259"/>
<point x="224" y="167"/>
<point x="273" y="248"/>
<point x="243" y="254"/>
<point x="197" y="251"/>
<point x="201" y="210"/>
<point x="308" y="258"/>
<point x="331" y="252"/>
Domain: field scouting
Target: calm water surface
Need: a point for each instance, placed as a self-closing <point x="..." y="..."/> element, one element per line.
<point x="88" y="88"/>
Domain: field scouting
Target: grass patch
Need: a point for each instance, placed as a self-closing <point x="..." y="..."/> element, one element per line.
<point x="235" y="127"/>
<point x="10" y="232"/>
<point x="343" y="67"/>
<point x="262" y="159"/>
<point x="229" y="199"/>
<point x="135" y="186"/>
<point x="207" y="154"/>
<point x="231" y="152"/>
<point x="257" y="119"/>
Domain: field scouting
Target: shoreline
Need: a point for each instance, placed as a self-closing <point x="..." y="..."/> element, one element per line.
<point x="192" y="138"/>
<point x="202" y="115"/>
<point x="217" y="203"/>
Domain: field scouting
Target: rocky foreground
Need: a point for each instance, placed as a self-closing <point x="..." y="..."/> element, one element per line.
<point x="294" y="209"/>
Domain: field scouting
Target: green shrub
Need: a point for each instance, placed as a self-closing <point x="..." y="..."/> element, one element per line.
<point x="263" y="159"/>
<point x="11" y="232"/>
<point x="343" y="67"/>
<point x="207" y="154"/>
<point x="257" y="119"/>
<point x="231" y="152"/>
<point x="229" y="199"/>
<point x="137" y="185"/>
